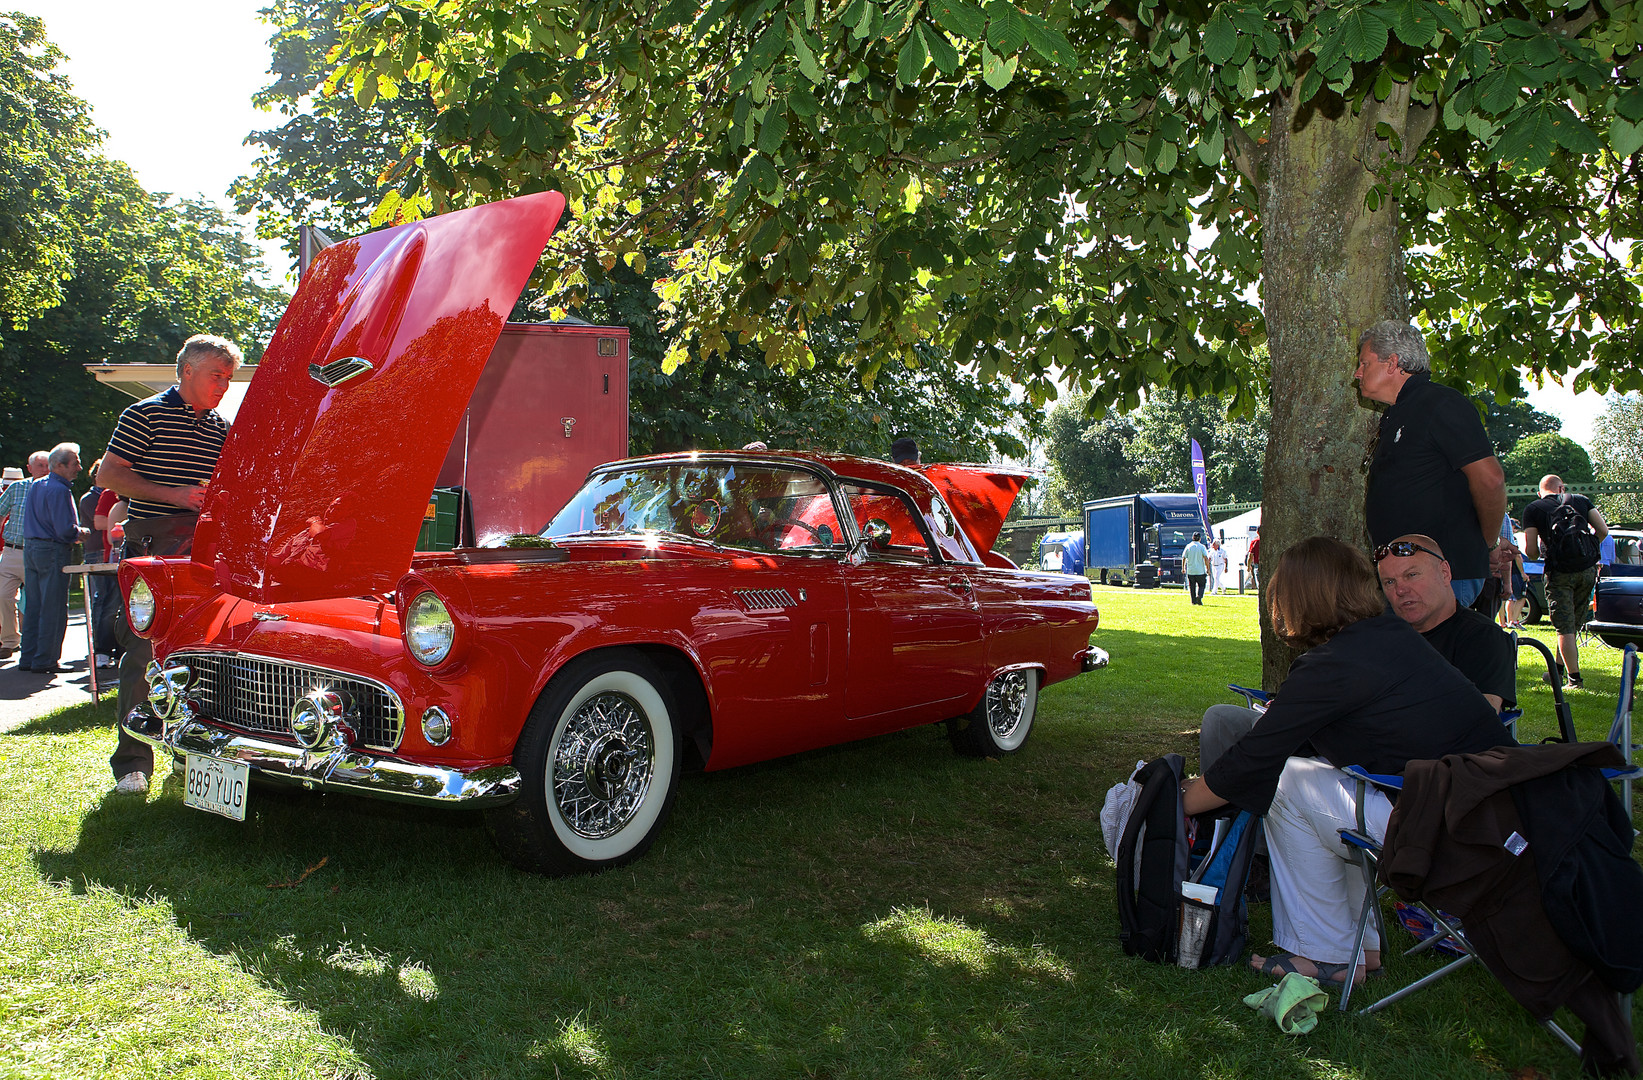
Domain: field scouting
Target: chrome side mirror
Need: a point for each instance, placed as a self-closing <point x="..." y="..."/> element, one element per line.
<point x="876" y="531"/>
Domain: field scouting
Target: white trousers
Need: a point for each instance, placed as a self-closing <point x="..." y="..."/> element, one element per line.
<point x="1214" y="578"/>
<point x="1317" y="887"/>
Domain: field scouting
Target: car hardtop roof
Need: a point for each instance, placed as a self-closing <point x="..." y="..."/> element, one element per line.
<point x="839" y="466"/>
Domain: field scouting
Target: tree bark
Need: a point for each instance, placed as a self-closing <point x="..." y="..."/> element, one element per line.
<point x="1331" y="268"/>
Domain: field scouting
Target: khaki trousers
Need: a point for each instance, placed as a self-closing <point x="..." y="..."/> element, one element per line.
<point x="11" y="581"/>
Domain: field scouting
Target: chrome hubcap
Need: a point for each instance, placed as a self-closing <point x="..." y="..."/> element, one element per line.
<point x="603" y="765"/>
<point x="1006" y="704"/>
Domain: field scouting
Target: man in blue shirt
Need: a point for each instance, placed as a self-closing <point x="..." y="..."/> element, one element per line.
<point x="50" y="530"/>
<point x="1195" y="564"/>
<point x="11" y="556"/>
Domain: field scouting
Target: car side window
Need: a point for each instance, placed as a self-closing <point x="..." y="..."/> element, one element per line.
<point x="945" y="529"/>
<point x="889" y="522"/>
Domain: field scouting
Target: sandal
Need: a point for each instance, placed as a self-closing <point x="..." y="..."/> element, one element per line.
<point x="1282" y="963"/>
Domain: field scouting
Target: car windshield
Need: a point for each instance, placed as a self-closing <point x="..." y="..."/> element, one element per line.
<point x="759" y="507"/>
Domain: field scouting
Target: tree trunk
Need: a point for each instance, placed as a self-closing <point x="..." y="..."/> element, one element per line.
<point x="1330" y="269"/>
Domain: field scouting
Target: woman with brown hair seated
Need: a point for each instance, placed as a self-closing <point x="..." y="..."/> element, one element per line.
<point x="1367" y="690"/>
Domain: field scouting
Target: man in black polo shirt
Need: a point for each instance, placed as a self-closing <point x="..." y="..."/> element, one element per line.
<point x="1432" y="469"/>
<point x="1415" y="577"/>
<point x="161" y="457"/>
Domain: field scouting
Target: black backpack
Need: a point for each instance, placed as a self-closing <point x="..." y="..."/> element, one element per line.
<point x="1154" y="857"/>
<point x="1570" y="542"/>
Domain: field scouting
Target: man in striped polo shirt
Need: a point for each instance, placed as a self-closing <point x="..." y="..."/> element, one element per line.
<point x="161" y="457"/>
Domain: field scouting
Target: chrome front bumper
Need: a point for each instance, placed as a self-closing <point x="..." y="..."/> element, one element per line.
<point x="329" y="767"/>
<point x="1093" y="658"/>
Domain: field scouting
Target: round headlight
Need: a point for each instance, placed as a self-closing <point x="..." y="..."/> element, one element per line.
<point x="141" y="605"/>
<point x="429" y="630"/>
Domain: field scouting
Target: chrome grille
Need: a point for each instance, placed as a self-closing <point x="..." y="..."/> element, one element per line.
<point x="765" y="599"/>
<point x="256" y="694"/>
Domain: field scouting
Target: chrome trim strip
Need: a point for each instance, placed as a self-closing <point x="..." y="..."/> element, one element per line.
<point x="331" y="768"/>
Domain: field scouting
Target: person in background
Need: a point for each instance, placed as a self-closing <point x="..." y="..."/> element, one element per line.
<point x="104" y="521"/>
<point x="1217" y="565"/>
<point x="50" y="533"/>
<point x="1511" y="615"/>
<point x="11" y="562"/>
<point x="1195" y="564"/>
<point x="161" y="457"/>
<point x="1252" y="559"/>
<point x="1432" y="468"/>
<point x="904" y="451"/>
<point x="1366" y="690"/>
<point x="1568" y="587"/>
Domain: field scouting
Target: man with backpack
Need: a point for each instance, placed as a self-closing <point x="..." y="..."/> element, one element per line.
<point x="1570" y="530"/>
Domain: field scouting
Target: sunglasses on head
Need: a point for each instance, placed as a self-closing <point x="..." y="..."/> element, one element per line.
<point x="1403" y="549"/>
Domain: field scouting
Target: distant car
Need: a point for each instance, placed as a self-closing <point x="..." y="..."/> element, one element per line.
<point x="693" y="610"/>
<point x="1628" y="553"/>
<point x="1617" y="602"/>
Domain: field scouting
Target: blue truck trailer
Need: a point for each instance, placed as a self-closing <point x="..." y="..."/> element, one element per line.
<point x="1138" y="539"/>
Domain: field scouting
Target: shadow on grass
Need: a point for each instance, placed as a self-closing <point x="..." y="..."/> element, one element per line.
<point x="882" y="909"/>
<point x="68" y="721"/>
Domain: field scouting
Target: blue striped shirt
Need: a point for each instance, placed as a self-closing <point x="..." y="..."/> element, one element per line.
<point x="11" y="508"/>
<point x="167" y="442"/>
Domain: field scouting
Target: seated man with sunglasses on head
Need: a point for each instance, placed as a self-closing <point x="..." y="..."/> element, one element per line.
<point x="1415" y="577"/>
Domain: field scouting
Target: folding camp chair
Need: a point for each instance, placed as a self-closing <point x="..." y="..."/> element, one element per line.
<point x="1366" y="852"/>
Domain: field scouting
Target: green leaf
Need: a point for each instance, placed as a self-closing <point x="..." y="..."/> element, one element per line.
<point x="1220" y="38"/>
<point x="1006" y="29"/>
<point x="1526" y="143"/>
<point x="1311" y="83"/>
<point x="760" y="173"/>
<point x="1498" y="92"/>
<point x="995" y="70"/>
<point x="1414" y="21"/>
<point x="805" y="55"/>
<point x="1630" y="104"/>
<point x="1364" y="33"/>
<point x="803" y="102"/>
<point x="1049" y="42"/>
<point x="1168" y="154"/>
<point x="867" y="13"/>
<point x="1572" y="133"/>
<point x="941" y="50"/>
<point x="912" y="61"/>
<point x="959" y="17"/>
<point x="1247" y="85"/>
<point x="1625" y="137"/>
<point x="774" y="129"/>
<point x="1212" y="147"/>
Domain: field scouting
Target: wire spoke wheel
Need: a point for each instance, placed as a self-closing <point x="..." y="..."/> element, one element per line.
<point x="1007" y="705"/>
<point x="603" y="765"/>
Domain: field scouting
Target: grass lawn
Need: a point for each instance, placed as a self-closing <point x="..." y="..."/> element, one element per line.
<point x="879" y="910"/>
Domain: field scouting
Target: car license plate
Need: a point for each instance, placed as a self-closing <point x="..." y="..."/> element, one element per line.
<point x="216" y="786"/>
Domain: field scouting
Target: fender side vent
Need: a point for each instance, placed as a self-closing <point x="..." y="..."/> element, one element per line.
<point x="765" y="599"/>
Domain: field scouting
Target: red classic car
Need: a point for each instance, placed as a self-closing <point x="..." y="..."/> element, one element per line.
<point x="686" y="611"/>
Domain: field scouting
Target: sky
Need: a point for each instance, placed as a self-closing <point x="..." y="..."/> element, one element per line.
<point x="171" y="82"/>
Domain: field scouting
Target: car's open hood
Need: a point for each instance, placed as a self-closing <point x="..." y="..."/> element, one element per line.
<point x="980" y="495"/>
<point x="324" y="480"/>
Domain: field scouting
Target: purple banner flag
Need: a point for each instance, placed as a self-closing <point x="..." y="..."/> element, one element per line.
<point x="1200" y="484"/>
